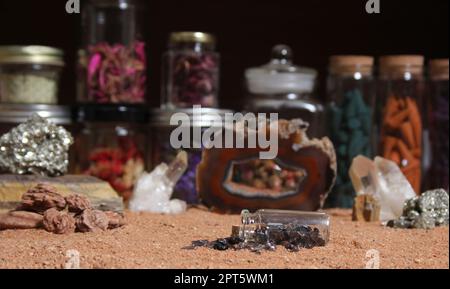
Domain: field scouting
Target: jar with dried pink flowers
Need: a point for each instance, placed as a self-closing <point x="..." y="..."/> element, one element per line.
<point x="112" y="62"/>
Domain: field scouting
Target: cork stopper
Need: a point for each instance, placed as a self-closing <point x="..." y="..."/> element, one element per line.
<point x="439" y="69"/>
<point x="401" y="64"/>
<point x="343" y="64"/>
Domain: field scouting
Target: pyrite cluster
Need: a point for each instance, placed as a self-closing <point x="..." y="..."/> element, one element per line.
<point x="35" y="147"/>
<point x="426" y="211"/>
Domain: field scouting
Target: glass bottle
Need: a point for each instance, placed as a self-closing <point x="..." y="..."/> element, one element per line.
<point x="282" y="87"/>
<point x="438" y="121"/>
<point x="114" y="57"/>
<point x="401" y="140"/>
<point x="190" y="71"/>
<point x="272" y="222"/>
<point x="350" y="111"/>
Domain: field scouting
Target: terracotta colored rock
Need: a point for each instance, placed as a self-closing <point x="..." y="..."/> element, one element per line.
<point x="92" y="221"/>
<point x="58" y="222"/>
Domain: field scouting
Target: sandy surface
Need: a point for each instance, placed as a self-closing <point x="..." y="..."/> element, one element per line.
<point x="156" y="241"/>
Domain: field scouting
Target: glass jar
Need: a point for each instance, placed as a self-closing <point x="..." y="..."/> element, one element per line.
<point x="438" y="121"/>
<point x="112" y="145"/>
<point x="190" y="71"/>
<point x="277" y="223"/>
<point x="11" y="115"/>
<point x="162" y="150"/>
<point x="30" y="74"/>
<point x="114" y="57"/>
<point x="402" y="87"/>
<point x="350" y="111"/>
<point x="282" y="87"/>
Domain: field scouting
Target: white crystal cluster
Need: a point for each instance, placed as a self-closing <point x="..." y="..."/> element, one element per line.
<point x="153" y="191"/>
<point x="384" y="180"/>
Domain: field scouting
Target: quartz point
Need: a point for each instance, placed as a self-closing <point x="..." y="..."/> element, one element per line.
<point x="153" y="190"/>
<point x="37" y="146"/>
<point x="383" y="180"/>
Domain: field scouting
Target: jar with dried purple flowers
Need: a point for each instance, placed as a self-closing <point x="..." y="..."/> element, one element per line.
<point x="190" y="71"/>
<point x="113" y="60"/>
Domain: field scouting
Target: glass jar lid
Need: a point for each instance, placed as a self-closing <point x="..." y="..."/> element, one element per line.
<point x="350" y="64"/>
<point x="391" y="64"/>
<point x="19" y="113"/>
<point x="439" y="69"/>
<point x="32" y="54"/>
<point x="280" y="75"/>
<point x="161" y="117"/>
<point x="112" y="113"/>
<point x="191" y="37"/>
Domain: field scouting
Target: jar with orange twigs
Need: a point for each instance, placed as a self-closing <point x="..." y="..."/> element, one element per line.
<point x="402" y="87"/>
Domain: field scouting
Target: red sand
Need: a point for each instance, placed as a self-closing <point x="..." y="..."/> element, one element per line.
<point x="156" y="241"/>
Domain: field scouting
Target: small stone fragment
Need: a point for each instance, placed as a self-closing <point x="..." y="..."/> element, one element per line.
<point x="366" y="208"/>
<point x="77" y="203"/>
<point x="41" y="198"/>
<point x="92" y="221"/>
<point x="58" y="222"/>
<point x="115" y="220"/>
<point x="220" y="244"/>
<point x="200" y="243"/>
<point x="35" y="147"/>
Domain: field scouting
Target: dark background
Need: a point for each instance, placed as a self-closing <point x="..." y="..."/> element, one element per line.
<point x="246" y="31"/>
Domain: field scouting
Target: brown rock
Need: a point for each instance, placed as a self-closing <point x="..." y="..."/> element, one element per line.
<point x="42" y="197"/>
<point x="20" y="220"/>
<point x="92" y="221"/>
<point x="115" y="220"/>
<point x="77" y="203"/>
<point x="366" y="208"/>
<point x="58" y="222"/>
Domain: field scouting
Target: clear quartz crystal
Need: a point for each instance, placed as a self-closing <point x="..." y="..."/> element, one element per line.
<point x="384" y="180"/>
<point x="153" y="190"/>
<point x="268" y="219"/>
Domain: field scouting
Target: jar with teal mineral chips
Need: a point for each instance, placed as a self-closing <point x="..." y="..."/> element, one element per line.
<point x="351" y="96"/>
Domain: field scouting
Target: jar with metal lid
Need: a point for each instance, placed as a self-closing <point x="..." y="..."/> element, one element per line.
<point x="401" y="127"/>
<point x="11" y="115"/>
<point x="112" y="145"/>
<point x="163" y="151"/>
<point x="282" y="87"/>
<point x="30" y="74"/>
<point x="190" y="71"/>
<point x="350" y="115"/>
<point x="438" y="122"/>
<point x="113" y="55"/>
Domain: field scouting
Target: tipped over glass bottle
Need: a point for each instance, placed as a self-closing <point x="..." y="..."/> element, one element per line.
<point x="307" y="229"/>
